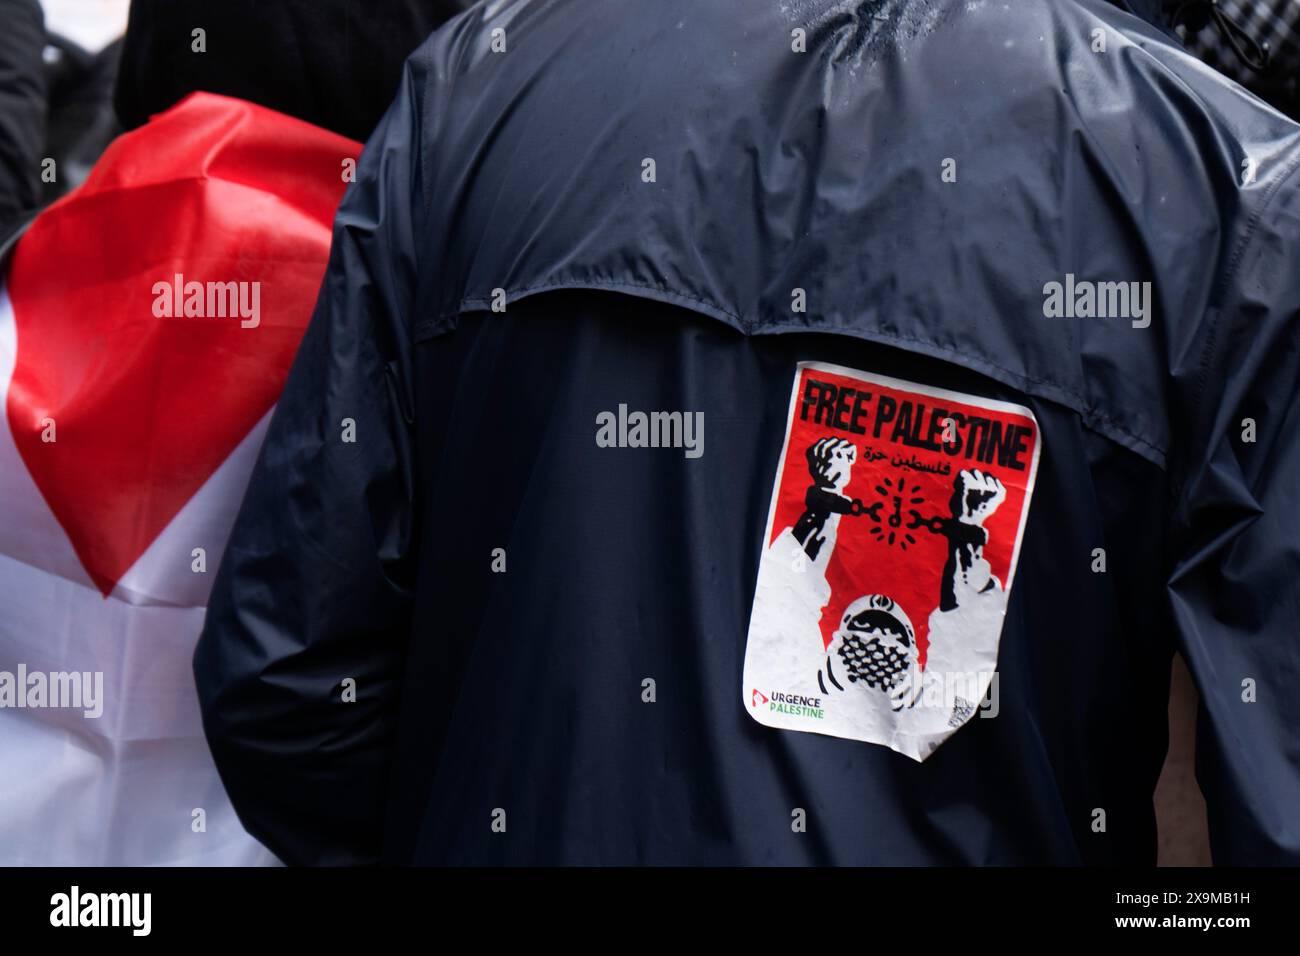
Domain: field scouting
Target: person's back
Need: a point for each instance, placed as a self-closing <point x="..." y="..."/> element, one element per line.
<point x="970" y="330"/>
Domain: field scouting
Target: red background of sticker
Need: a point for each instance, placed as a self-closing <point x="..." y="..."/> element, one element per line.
<point x="864" y="564"/>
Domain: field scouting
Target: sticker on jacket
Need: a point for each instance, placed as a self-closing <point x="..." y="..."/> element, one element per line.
<point x="892" y="538"/>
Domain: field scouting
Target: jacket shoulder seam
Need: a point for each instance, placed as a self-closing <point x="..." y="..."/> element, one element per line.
<point x="1051" y="391"/>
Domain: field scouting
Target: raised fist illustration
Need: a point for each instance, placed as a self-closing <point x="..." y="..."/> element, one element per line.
<point x="976" y="495"/>
<point x="830" y="461"/>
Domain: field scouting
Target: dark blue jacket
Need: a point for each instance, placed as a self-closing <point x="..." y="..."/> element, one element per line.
<point x="452" y="626"/>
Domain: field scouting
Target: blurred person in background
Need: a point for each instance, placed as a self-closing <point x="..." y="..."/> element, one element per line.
<point x="333" y="63"/>
<point x="1255" y="42"/>
<point x="22" y="111"/>
<point x="132" y="414"/>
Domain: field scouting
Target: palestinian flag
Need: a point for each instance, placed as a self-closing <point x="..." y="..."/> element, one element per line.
<point x="147" y="323"/>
